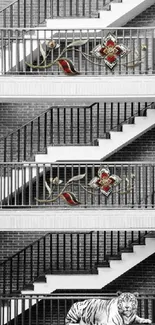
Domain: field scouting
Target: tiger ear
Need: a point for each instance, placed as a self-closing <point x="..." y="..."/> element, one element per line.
<point x="136" y="294"/>
<point x="118" y="293"/>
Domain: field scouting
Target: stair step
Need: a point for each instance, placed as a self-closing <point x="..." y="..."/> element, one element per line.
<point x="41" y="278"/>
<point x="29" y="286"/>
<point x="126" y="250"/>
<point x="113" y="257"/>
<point x="103" y="264"/>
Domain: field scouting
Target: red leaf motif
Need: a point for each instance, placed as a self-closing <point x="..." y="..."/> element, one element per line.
<point x="70" y="198"/>
<point x="67" y="66"/>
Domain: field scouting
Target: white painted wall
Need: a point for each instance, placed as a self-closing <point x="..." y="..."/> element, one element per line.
<point x="71" y="218"/>
<point x="68" y="89"/>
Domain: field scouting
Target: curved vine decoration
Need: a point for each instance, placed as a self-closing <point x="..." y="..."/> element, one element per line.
<point x="103" y="182"/>
<point x="110" y="52"/>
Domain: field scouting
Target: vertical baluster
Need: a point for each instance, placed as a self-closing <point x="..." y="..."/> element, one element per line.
<point x="71" y="250"/>
<point x="77" y="251"/>
<point x="98" y="120"/>
<point x="91" y="250"/>
<point x="38" y="258"/>
<point x="105" y="111"/>
<point x="58" y="312"/>
<point x="64" y="251"/>
<point x="2" y="50"/>
<point x="38" y="11"/>
<point x="31" y="13"/>
<point x="18" y="13"/>
<point x="111" y="116"/>
<point x="98" y="246"/>
<point x="84" y="252"/>
<point x="25" y="136"/>
<point x="18" y="141"/>
<point x="51" y="249"/>
<point x="51" y="126"/>
<point x="5" y="149"/>
<point x="58" y="125"/>
<point x="125" y="111"/>
<point x="64" y="124"/>
<point x="31" y="259"/>
<point x="58" y="8"/>
<point x="24" y="268"/>
<point x="71" y="8"/>
<point x="118" y="114"/>
<point x="71" y="124"/>
<point x="18" y="263"/>
<point x="125" y="239"/>
<point x="44" y="312"/>
<point x="31" y="138"/>
<point x="105" y="243"/>
<point x="44" y="253"/>
<point x="111" y="245"/>
<point x="30" y="311"/>
<point x="153" y="310"/>
<point x="37" y="311"/>
<point x="85" y="126"/>
<point x="57" y="241"/>
<point x="91" y="124"/>
<point x="83" y="8"/>
<point x="45" y="130"/>
<point x="25" y="18"/>
<point x="152" y="50"/>
<point x="38" y="128"/>
<point x="11" y="16"/>
<point x="78" y="126"/>
<point x="118" y="241"/>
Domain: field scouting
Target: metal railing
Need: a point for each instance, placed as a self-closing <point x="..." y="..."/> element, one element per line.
<point x="53" y="309"/>
<point x="65" y="253"/>
<point x="52" y="184"/>
<point x="68" y="126"/>
<point x="44" y="51"/>
<point x="31" y="13"/>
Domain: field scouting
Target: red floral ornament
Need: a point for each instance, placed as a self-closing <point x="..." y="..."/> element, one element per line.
<point x="105" y="182"/>
<point x="110" y="51"/>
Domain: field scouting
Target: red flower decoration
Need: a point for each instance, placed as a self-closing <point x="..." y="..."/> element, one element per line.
<point x="105" y="182"/>
<point x="110" y="51"/>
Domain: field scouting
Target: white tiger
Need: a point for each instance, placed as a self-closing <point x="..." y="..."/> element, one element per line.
<point x="117" y="311"/>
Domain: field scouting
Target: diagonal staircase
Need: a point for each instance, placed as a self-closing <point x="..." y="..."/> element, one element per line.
<point x="15" y="177"/>
<point x="106" y="273"/>
<point x="106" y="147"/>
<point x="112" y="268"/>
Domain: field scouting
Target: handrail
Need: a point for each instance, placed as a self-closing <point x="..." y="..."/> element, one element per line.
<point x="75" y="28"/>
<point x="80" y="162"/>
<point x="32" y="120"/>
<point x="132" y="116"/>
<point x="36" y="241"/>
<point x="12" y="3"/>
<point x="44" y="247"/>
<point x="60" y="296"/>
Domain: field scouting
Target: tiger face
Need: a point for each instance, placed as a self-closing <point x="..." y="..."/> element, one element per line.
<point x="127" y="304"/>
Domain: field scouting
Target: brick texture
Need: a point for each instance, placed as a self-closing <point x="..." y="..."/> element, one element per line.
<point x="140" y="278"/>
<point x="142" y="149"/>
<point x="146" y="18"/>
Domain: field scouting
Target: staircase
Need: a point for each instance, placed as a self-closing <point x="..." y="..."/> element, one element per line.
<point x="100" y="267"/>
<point x="51" y="126"/>
<point x="106" y="147"/>
<point x="106" y="273"/>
